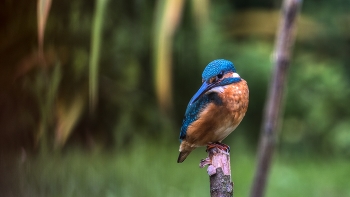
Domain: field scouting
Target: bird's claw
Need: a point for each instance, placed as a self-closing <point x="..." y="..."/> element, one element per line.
<point x="218" y="145"/>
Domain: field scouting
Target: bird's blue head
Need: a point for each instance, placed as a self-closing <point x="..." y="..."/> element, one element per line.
<point x="215" y="76"/>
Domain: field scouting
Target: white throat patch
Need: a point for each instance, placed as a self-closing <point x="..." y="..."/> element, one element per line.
<point x="219" y="89"/>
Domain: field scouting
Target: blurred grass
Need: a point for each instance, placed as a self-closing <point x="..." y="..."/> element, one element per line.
<point x="149" y="168"/>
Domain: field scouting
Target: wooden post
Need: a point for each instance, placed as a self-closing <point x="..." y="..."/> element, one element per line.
<point x="273" y="106"/>
<point x="219" y="171"/>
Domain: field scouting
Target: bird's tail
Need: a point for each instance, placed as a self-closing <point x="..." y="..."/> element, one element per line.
<point x="183" y="155"/>
<point x="185" y="149"/>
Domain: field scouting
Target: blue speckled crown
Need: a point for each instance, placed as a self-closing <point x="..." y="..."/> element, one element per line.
<point x="215" y="67"/>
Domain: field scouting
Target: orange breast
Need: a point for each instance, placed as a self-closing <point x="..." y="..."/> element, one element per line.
<point x="236" y="99"/>
<point x="216" y="122"/>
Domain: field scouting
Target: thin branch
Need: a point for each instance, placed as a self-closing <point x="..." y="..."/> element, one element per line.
<point x="283" y="48"/>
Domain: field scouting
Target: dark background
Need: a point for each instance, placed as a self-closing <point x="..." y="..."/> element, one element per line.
<point x="56" y="141"/>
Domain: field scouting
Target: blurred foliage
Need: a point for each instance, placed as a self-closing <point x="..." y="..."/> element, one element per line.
<point x="46" y="106"/>
<point x="319" y="108"/>
<point x="140" y="171"/>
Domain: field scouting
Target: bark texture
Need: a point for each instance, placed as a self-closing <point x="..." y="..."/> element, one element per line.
<point x="219" y="171"/>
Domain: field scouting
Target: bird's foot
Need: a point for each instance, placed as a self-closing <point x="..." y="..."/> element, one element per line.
<point x="218" y="145"/>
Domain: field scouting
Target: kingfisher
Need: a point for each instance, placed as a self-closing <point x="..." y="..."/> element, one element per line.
<point x="215" y="110"/>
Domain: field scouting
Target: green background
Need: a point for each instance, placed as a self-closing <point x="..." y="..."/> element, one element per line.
<point x="56" y="141"/>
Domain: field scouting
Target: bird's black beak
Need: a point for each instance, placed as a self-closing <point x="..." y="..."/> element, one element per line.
<point x="202" y="90"/>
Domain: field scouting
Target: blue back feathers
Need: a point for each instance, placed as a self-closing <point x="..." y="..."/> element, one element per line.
<point x="193" y="110"/>
<point x="216" y="67"/>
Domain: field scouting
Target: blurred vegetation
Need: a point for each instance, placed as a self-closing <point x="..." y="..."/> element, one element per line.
<point x="140" y="171"/>
<point x="108" y="97"/>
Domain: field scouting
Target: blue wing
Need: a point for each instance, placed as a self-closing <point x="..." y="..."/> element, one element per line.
<point x="193" y="111"/>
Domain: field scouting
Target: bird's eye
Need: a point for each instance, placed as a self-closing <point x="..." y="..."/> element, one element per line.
<point x="220" y="75"/>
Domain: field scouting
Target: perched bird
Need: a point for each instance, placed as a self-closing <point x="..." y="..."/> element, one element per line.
<point x="215" y="110"/>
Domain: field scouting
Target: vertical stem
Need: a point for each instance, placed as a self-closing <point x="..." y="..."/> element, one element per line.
<point x="273" y="106"/>
<point x="201" y="12"/>
<point x="43" y="9"/>
<point x="167" y="18"/>
<point x="96" y="36"/>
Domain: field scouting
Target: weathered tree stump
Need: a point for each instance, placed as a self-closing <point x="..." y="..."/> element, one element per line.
<point x="219" y="170"/>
